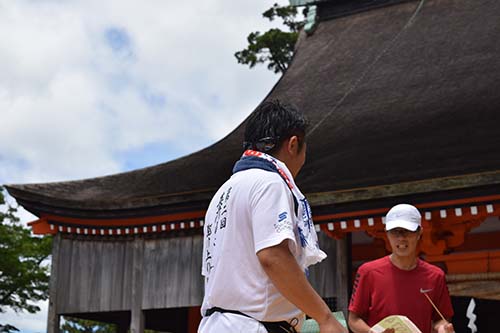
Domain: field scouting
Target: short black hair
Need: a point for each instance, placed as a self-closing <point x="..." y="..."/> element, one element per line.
<point x="271" y="124"/>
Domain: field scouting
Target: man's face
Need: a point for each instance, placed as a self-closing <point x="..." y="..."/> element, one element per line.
<point x="404" y="242"/>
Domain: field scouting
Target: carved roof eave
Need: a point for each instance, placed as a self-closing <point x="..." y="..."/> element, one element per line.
<point x="336" y="218"/>
<point x="474" y="182"/>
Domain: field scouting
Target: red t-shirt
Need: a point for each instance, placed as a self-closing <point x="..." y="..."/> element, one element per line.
<point x="381" y="289"/>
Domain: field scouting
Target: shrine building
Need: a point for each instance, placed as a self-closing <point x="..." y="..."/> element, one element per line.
<point x="403" y="101"/>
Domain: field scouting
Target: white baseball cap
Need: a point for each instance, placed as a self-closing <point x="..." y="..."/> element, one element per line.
<point x="403" y="216"/>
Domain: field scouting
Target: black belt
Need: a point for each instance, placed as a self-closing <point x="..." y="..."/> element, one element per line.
<point x="271" y="326"/>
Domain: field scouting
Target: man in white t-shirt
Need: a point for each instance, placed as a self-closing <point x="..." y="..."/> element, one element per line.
<point x="259" y="237"/>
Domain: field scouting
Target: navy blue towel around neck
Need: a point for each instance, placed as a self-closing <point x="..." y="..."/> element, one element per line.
<point x="254" y="162"/>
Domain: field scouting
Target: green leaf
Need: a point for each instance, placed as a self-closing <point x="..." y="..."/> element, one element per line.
<point x="274" y="47"/>
<point x="24" y="268"/>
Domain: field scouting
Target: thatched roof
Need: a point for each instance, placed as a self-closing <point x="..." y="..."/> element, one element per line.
<point x="398" y="95"/>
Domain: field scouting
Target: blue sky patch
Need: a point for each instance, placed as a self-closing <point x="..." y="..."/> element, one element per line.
<point x="149" y="155"/>
<point x="154" y="99"/>
<point x="118" y="40"/>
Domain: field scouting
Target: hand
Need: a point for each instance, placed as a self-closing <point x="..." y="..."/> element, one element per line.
<point x="332" y="325"/>
<point x="446" y="328"/>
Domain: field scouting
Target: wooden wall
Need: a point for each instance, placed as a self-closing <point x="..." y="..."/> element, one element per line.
<point x="172" y="273"/>
<point x="94" y="276"/>
<point x="98" y="276"/>
<point x="323" y="275"/>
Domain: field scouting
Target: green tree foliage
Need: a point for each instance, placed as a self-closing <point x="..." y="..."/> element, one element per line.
<point x="275" y="46"/>
<point x="8" y="329"/>
<point x="24" y="277"/>
<point x="75" y="325"/>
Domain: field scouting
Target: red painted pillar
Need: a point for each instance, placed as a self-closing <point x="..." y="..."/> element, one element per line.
<point x="194" y="318"/>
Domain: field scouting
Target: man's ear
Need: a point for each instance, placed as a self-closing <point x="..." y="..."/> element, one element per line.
<point x="293" y="145"/>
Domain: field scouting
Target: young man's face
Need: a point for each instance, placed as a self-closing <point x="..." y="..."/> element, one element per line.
<point x="403" y="242"/>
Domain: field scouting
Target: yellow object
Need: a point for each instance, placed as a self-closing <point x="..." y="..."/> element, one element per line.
<point x="401" y="324"/>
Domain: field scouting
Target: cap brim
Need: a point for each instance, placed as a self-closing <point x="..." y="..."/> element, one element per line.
<point x="401" y="224"/>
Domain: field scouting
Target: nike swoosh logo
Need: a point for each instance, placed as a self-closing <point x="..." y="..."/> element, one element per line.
<point x="423" y="291"/>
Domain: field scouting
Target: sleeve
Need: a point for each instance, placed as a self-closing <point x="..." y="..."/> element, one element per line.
<point x="360" y="298"/>
<point x="443" y="300"/>
<point x="272" y="214"/>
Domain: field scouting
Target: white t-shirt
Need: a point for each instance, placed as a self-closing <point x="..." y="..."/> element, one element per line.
<point x="253" y="210"/>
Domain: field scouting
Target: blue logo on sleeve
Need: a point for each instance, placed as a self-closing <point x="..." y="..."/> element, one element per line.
<point x="282" y="216"/>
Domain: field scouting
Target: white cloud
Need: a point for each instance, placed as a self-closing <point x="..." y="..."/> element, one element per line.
<point x="27" y="322"/>
<point x="70" y="101"/>
<point x="87" y="84"/>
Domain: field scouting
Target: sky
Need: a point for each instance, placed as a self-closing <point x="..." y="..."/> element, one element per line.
<point x="90" y="87"/>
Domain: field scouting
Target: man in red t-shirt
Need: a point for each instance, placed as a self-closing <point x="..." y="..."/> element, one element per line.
<point x="395" y="284"/>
